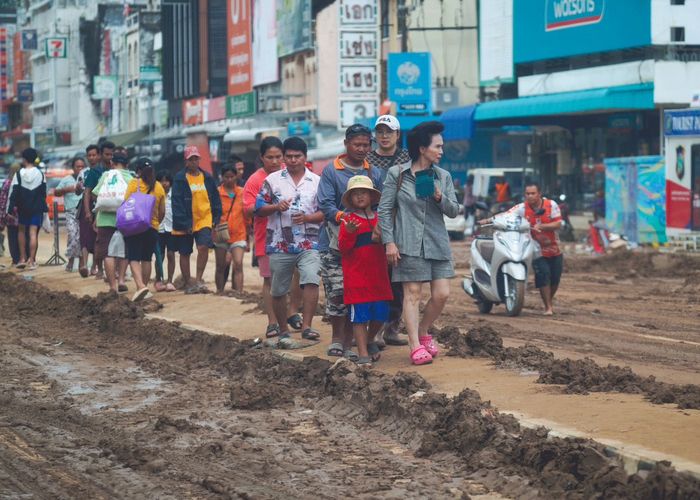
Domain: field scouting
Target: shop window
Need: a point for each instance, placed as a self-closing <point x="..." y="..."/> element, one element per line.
<point x="677" y="34"/>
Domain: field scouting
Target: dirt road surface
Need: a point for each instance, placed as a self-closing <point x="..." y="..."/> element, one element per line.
<point x="95" y="404"/>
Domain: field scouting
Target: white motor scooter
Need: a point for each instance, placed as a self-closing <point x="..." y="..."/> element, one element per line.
<point x="500" y="264"/>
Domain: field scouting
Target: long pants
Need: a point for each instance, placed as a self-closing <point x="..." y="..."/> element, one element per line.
<point x="13" y="242"/>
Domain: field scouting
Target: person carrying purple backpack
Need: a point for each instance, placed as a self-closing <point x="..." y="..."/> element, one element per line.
<point x="140" y="247"/>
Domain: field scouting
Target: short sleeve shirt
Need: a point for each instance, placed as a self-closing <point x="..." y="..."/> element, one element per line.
<point x="70" y="200"/>
<point x="158" y="192"/>
<point x="282" y="235"/>
<point x="250" y="195"/>
<point x="109" y="219"/>
<point x="547" y="239"/>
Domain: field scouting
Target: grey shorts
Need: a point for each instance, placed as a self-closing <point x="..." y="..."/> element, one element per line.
<point x="117" y="246"/>
<point x="422" y="269"/>
<point x="332" y="275"/>
<point x="282" y="268"/>
<point x="230" y="246"/>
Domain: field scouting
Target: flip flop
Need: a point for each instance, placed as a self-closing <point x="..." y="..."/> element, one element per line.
<point x="335" y="349"/>
<point x="272" y="331"/>
<point x="374" y="351"/>
<point x="351" y="355"/>
<point x="21" y="265"/>
<point x="170" y="288"/>
<point x="365" y="361"/>
<point x="140" y="295"/>
<point x="429" y="344"/>
<point x="122" y="288"/>
<point x="310" y="334"/>
<point x="295" y="321"/>
<point x="420" y="356"/>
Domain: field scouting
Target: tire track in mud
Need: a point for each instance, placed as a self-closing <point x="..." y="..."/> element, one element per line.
<point x="244" y="422"/>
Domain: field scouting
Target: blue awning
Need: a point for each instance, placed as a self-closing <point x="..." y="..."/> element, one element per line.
<point x="459" y="123"/>
<point x="639" y="96"/>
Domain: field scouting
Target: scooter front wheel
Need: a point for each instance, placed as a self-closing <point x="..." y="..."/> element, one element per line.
<point x="516" y="296"/>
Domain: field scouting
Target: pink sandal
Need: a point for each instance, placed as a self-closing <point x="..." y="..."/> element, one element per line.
<point x="429" y="344"/>
<point x="420" y="356"/>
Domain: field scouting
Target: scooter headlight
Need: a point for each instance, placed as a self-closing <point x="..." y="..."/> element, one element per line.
<point x="503" y="241"/>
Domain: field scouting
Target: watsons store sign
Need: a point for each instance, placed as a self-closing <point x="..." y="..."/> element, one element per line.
<point x="563" y="14"/>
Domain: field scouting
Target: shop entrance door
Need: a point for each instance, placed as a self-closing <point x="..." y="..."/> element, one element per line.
<point x="695" y="185"/>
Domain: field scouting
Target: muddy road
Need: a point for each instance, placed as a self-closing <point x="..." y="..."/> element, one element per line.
<point x="630" y="309"/>
<point x="98" y="402"/>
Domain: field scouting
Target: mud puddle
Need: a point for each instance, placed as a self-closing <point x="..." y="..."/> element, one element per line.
<point x="579" y="376"/>
<point x="236" y="422"/>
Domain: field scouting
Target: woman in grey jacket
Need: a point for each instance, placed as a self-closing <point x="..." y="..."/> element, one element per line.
<point x="416" y="195"/>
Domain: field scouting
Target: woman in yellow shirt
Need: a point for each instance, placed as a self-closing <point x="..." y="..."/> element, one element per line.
<point x="141" y="247"/>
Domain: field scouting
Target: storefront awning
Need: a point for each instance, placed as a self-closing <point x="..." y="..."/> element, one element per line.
<point x="459" y="123"/>
<point x="639" y="96"/>
<point x="128" y="139"/>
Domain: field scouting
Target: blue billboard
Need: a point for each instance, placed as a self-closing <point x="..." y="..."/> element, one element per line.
<point x="410" y="82"/>
<point x="546" y="29"/>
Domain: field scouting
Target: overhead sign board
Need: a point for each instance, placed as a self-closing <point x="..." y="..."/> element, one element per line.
<point x="149" y="74"/>
<point x="410" y="82"/>
<point x="547" y="29"/>
<point x="105" y="87"/>
<point x="56" y="47"/>
<point x="238" y="106"/>
<point x="685" y="122"/>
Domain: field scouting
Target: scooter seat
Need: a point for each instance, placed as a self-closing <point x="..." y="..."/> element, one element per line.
<point x="485" y="248"/>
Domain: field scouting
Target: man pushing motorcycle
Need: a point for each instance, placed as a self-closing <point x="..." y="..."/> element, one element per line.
<point x="544" y="217"/>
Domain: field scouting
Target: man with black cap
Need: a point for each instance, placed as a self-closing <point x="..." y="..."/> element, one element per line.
<point x="28" y="195"/>
<point x="331" y="188"/>
<point x="109" y="245"/>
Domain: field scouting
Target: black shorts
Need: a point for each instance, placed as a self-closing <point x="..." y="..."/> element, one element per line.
<point x="141" y="247"/>
<point x="548" y="270"/>
<point x="165" y="240"/>
<point x="182" y="243"/>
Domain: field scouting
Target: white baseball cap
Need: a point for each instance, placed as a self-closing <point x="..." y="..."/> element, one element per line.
<point x="390" y="121"/>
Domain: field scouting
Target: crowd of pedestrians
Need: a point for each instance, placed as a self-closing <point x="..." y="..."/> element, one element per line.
<point x="370" y="228"/>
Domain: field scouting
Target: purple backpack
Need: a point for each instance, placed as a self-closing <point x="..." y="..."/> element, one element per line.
<point x="134" y="215"/>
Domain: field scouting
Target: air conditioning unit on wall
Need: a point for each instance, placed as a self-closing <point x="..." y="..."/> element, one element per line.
<point x="446" y="98"/>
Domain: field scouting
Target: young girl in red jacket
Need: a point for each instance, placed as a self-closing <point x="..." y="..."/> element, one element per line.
<point x="366" y="285"/>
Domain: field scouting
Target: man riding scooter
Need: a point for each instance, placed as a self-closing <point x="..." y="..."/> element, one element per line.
<point x="544" y="217"/>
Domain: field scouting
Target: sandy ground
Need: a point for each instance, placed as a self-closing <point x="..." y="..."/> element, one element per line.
<point x="121" y="418"/>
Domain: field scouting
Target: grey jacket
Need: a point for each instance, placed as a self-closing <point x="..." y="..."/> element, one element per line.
<point x="419" y="222"/>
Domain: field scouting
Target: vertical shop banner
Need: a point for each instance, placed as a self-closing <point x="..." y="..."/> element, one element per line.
<point x="3" y="64"/>
<point x="293" y="27"/>
<point x="240" y="78"/>
<point x="265" y="65"/>
<point x="359" y="81"/>
<point x="25" y="91"/>
<point x="682" y="129"/>
<point x="410" y="82"/>
<point x="29" y="40"/>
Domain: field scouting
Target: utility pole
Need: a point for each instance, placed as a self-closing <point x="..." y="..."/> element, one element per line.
<point x="150" y="119"/>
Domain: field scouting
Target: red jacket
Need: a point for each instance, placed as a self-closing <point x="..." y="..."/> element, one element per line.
<point x="365" y="269"/>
